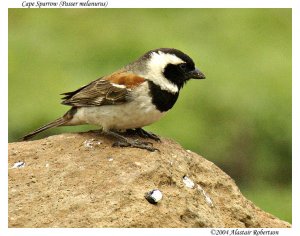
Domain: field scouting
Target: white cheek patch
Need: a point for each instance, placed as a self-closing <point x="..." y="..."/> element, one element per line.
<point x="156" y="65"/>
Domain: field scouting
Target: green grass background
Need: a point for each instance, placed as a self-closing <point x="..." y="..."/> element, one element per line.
<point x="239" y="117"/>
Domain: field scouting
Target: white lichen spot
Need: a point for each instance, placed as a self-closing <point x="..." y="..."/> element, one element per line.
<point x="205" y="195"/>
<point x="188" y="182"/>
<point x="19" y="164"/>
<point x="154" y="196"/>
<point x="91" y="143"/>
<point x="209" y="201"/>
<point x="137" y="163"/>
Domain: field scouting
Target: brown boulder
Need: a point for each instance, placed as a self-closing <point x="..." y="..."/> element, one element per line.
<point x="79" y="180"/>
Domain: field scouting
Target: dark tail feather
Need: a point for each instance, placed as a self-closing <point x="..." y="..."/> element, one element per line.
<point x="58" y="122"/>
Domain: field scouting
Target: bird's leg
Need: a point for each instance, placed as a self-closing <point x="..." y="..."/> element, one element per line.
<point x="125" y="142"/>
<point x="143" y="133"/>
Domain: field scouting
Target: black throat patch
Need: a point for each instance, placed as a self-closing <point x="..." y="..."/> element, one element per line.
<point x="162" y="99"/>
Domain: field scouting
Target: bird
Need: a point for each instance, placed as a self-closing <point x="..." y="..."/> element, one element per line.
<point x="130" y="98"/>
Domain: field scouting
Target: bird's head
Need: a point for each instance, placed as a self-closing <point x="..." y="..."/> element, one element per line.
<point x="169" y="68"/>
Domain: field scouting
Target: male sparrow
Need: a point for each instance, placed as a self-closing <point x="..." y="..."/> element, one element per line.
<point x="130" y="98"/>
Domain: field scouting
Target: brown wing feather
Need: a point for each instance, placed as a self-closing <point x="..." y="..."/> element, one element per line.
<point x="104" y="91"/>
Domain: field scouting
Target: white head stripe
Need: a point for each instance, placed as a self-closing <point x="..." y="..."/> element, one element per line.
<point x="163" y="59"/>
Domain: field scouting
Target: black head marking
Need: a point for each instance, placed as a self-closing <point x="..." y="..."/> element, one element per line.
<point x="177" y="74"/>
<point x="162" y="99"/>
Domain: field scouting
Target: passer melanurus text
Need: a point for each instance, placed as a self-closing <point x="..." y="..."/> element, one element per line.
<point x="130" y="98"/>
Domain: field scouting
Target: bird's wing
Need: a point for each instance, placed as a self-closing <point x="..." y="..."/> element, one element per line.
<point x="109" y="90"/>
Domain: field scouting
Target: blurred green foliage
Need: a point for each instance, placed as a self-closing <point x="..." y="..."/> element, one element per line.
<point x="239" y="117"/>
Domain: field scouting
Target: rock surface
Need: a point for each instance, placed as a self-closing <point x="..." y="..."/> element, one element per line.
<point x="79" y="180"/>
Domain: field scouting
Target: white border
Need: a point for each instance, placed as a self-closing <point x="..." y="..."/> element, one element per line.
<point x="143" y="232"/>
<point x="180" y="3"/>
<point x="4" y="115"/>
<point x="150" y="4"/>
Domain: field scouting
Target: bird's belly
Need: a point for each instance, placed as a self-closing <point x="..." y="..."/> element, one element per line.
<point x="134" y="114"/>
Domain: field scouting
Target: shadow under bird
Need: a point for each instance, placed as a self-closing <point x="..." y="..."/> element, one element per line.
<point x="135" y="96"/>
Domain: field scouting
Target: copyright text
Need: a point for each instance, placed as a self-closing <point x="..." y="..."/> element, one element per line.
<point x="255" y="232"/>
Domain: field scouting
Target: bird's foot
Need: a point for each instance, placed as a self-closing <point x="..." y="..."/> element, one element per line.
<point x="135" y="144"/>
<point x="144" y="134"/>
<point x="125" y="142"/>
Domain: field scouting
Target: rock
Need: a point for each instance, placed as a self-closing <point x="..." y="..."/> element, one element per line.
<point x="79" y="180"/>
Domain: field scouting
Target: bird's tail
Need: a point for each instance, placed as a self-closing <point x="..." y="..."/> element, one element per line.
<point x="58" y="122"/>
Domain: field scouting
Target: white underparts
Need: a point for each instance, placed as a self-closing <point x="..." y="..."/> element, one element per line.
<point x="156" y="65"/>
<point x="134" y="114"/>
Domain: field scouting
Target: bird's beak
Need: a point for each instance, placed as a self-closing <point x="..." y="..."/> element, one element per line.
<point x="196" y="74"/>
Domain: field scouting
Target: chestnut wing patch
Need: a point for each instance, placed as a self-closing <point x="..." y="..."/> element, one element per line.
<point x="114" y="89"/>
<point x="127" y="79"/>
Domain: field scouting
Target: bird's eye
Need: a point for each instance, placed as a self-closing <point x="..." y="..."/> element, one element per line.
<point x="183" y="66"/>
